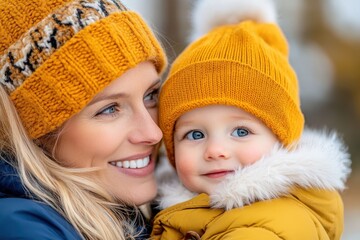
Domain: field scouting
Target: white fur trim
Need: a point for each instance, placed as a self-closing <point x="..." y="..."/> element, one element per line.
<point x="169" y="183"/>
<point x="178" y="194"/>
<point x="208" y="14"/>
<point x="320" y="160"/>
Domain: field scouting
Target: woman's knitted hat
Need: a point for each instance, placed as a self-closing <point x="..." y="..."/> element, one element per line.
<point x="242" y="63"/>
<point x="56" y="55"/>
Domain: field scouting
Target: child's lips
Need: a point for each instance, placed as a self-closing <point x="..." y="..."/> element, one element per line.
<point x="218" y="173"/>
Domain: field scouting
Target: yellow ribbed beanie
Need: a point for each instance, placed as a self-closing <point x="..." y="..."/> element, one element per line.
<point x="56" y="55"/>
<point x="244" y="65"/>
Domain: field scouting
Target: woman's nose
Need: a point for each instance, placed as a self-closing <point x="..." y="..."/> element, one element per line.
<point x="146" y="130"/>
<point x="216" y="150"/>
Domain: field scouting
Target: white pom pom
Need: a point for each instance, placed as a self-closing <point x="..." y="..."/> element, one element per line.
<point x="208" y="14"/>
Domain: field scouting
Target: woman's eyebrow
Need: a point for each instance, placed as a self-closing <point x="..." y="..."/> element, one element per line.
<point x="102" y="97"/>
<point x="114" y="96"/>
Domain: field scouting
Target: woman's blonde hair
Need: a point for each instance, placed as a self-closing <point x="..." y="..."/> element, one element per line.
<point x="93" y="212"/>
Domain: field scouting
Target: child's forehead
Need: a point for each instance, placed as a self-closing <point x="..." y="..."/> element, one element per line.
<point x="211" y="112"/>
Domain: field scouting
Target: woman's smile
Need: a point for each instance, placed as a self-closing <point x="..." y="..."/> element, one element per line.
<point x="140" y="167"/>
<point x="139" y="163"/>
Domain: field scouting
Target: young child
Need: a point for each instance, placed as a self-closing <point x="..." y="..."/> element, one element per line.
<point x="233" y="130"/>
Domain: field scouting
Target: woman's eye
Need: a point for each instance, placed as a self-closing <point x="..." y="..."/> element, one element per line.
<point x="108" y="111"/>
<point x="151" y="99"/>
<point x="240" y="132"/>
<point x="194" y="135"/>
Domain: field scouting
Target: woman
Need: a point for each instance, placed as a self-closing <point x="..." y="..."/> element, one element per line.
<point x="78" y="129"/>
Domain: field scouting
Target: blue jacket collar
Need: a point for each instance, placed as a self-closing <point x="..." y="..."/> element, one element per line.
<point x="10" y="183"/>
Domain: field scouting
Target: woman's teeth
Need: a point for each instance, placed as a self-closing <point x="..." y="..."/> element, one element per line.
<point x="139" y="163"/>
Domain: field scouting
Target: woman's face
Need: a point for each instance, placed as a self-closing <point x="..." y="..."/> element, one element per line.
<point x="117" y="132"/>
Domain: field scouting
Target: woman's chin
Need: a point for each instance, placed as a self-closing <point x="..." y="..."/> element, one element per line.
<point x="138" y="194"/>
<point x="148" y="194"/>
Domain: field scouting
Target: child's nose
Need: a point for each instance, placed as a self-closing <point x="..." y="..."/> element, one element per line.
<point x="216" y="151"/>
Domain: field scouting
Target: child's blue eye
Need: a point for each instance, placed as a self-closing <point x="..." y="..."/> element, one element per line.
<point x="194" y="135"/>
<point x="240" y="132"/>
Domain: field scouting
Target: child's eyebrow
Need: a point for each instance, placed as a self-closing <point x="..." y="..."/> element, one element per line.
<point x="183" y="124"/>
<point x="242" y="118"/>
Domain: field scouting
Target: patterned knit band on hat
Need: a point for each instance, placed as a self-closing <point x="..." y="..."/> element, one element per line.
<point x="56" y="55"/>
<point x="244" y="64"/>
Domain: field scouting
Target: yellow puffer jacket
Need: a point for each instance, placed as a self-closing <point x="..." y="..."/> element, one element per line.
<point x="287" y="195"/>
<point x="306" y="215"/>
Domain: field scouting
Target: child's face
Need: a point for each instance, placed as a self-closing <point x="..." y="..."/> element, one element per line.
<point x="211" y="142"/>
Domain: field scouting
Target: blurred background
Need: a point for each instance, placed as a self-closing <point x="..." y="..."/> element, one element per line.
<point x="324" y="38"/>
